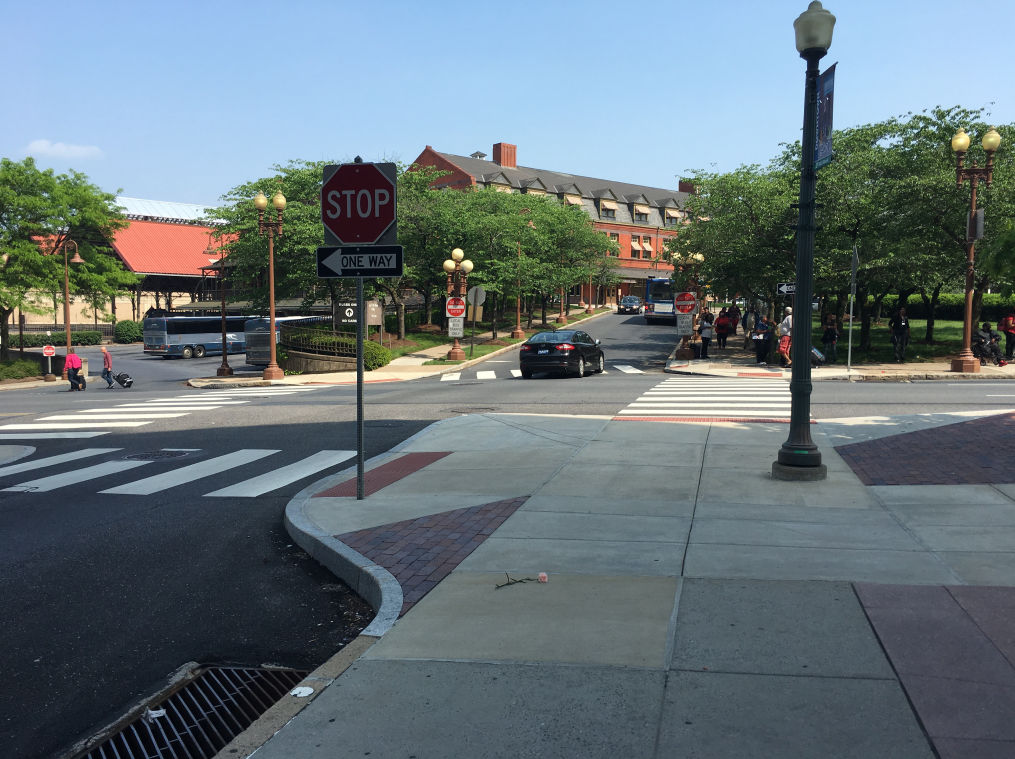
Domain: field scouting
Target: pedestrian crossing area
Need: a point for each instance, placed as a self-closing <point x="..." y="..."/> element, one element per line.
<point x="487" y="374"/>
<point x="92" y="422"/>
<point x="169" y="469"/>
<point x="713" y="399"/>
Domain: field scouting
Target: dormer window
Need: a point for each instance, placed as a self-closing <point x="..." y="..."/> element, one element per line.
<point x="671" y="217"/>
<point x="640" y="212"/>
<point x="608" y="209"/>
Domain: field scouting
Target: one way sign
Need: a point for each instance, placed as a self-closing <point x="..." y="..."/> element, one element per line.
<point x="359" y="261"/>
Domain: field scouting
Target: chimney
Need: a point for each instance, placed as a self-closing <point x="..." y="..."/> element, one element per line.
<point x="504" y="154"/>
<point x="686" y="186"/>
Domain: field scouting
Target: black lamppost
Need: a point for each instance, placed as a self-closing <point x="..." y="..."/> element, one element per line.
<point x="66" y="294"/>
<point x="799" y="458"/>
<point x="457" y="268"/>
<point x="224" y="369"/>
<point x="965" y="361"/>
<point x="273" y="230"/>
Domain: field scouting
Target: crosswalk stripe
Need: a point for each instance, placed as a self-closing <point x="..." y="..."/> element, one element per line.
<point x="712" y="404"/>
<point x="72" y="478"/>
<point x="767" y="414"/>
<point x="199" y="402"/>
<point x="451" y="376"/>
<point x="692" y="398"/>
<point x="158" y="482"/>
<point x="284" y="476"/>
<point x="50" y="435"/>
<point x="627" y="369"/>
<point x="486" y="375"/>
<point x="110" y="415"/>
<point x="69" y="425"/>
<point x="516" y="372"/>
<point x="27" y="466"/>
<point x="165" y="407"/>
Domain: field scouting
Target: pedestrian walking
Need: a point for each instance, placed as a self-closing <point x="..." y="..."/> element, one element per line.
<point x="750" y="320"/>
<point x="830" y="338"/>
<point x="899" y="327"/>
<point x="723" y="326"/>
<point x="786" y="338"/>
<point x="1007" y="327"/>
<point x="107" y="368"/>
<point x="733" y="312"/>
<point x="761" y="337"/>
<point x="705" y="330"/>
<point x="73" y="366"/>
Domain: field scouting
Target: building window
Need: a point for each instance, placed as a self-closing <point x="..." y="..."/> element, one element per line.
<point x="639" y="216"/>
<point x="671" y="217"/>
<point x="635" y="246"/>
<point x="608" y="213"/>
<point x="615" y="239"/>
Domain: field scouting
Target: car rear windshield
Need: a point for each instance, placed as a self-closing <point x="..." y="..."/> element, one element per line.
<point x="550" y="337"/>
<point x="630" y="299"/>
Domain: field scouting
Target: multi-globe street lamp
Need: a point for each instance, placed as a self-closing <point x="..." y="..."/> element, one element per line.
<point x="273" y="229"/>
<point x="799" y="458"/>
<point x="457" y="268"/>
<point x="224" y="369"/>
<point x="965" y="361"/>
<point x="66" y="293"/>
<point x="518" y="333"/>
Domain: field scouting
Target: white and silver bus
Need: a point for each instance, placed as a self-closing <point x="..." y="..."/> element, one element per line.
<point x="193" y="336"/>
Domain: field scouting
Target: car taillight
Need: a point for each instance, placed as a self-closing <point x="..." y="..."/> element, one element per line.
<point x="564" y="347"/>
<point x="526" y="347"/>
<point x="649" y="307"/>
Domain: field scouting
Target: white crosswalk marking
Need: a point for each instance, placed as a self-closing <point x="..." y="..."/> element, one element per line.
<point x="284" y="475"/>
<point x="73" y="478"/>
<point x="109" y="415"/>
<point x="49" y="435"/>
<point x="516" y="372"/>
<point x="68" y="425"/>
<point x="196" y="471"/>
<point x="451" y="376"/>
<point x="27" y="466"/>
<point x="628" y="369"/>
<point x="713" y="398"/>
<point x="486" y="375"/>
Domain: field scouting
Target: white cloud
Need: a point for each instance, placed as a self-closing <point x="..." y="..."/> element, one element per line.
<point x="62" y="150"/>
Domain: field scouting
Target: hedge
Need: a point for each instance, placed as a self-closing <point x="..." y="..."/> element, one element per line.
<point x="127" y="331"/>
<point x="39" y="339"/>
<point x="950" y="307"/>
<point x="19" y="369"/>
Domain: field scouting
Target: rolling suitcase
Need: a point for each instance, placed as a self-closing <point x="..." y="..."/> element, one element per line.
<point x="817" y="357"/>
<point x="123" y="379"/>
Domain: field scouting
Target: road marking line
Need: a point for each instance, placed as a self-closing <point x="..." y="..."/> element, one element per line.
<point x="284" y="475"/>
<point x="51" y="460"/>
<point x="49" y="435"/>
<point x="70" y="425"/>
<point x="72" y="478"/>
<point x="516" y="372"/>
<point x="111" y="415"/>
<point x="627" y="369"/>
<point x="451" y="376"/>
<point x="186" y="474"/>
<point x="486" y="375"/>
<point x="160" y="407"/>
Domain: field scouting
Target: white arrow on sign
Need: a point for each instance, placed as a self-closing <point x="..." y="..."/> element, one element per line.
<point x="787" y="287"/>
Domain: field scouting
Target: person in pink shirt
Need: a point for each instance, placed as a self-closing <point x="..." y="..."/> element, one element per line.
<point x="107" y="368"/>
<point x="73" y="366"/>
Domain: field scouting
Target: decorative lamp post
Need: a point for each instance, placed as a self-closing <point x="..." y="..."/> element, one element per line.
<point x="518" y="333"/>
<point x="457" y="268"/>
<point x="799" y="458"/>
<point x="66" y="294"/>
<point x="224" y="369"/>
<point x="273" y="230"/>
<point x="965" y="362"/>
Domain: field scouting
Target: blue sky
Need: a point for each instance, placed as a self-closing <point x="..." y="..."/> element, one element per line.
<point x="182" y="101"/>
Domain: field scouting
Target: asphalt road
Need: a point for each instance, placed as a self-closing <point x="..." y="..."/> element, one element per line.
<point x="108" y="594"/>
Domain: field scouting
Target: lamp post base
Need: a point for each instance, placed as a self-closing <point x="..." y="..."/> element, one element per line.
<point x="561" y="319"/>
<point x="790" y="473"/>
<point x="224" y="371"/>
<point x="50" y="378"/>
<point x="456" y="354"/>
<point x="966" y="364"/>
<point x="273" y="373"/>
<point x="517" y="333"/>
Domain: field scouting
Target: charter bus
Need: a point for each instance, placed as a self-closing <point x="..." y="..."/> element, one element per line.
<point x="255" y="334"/>
<point x="659" y="297"/>
<point x="192" y="336"/>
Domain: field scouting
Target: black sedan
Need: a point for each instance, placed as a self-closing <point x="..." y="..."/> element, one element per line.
<point x="629" y="304"/>
<point x="568" y="351"/>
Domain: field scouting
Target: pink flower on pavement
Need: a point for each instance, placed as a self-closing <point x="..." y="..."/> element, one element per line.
<point x="543" y="577"/>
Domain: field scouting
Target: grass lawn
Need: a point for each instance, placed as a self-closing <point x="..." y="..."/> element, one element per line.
<point x="947" y="342"/>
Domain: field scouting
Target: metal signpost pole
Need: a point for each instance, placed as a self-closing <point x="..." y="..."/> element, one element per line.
<point x="359" y="388"/>
<point x="852" y="298"/>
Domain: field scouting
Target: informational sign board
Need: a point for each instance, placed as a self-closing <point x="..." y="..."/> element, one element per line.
<point x="685" y="303"/>
<point x="823" y="146"/>
<point x="359" y="261"/>
<point x="346" y="313"/>
<point x="456" y="326"/>
<point x="358" y="204"/>
<point x="454" y="307"/>
<point x="375" y="313"/>
<point x="685" y="324"/>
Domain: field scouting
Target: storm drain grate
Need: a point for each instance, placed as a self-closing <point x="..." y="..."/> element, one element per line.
<point x="199" y="719"/>
<point x="155" y="455"/>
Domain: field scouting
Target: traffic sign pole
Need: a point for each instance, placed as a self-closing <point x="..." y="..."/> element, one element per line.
<point x="360" y="321"/>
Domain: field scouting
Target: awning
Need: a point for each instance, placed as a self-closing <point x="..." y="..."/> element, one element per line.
<point x="638" y="208"/>
<point x="646" y="245"/>
<point x="635" y="245"/>
<point x="608" y="204"/>
<point x="573" y="200"/>
<point x="672" y="213"/>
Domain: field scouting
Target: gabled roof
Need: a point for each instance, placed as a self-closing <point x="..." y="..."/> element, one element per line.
<point x="153" y="247"/>
<point x="161" y="210"/>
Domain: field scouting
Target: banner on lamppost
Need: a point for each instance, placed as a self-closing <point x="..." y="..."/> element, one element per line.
<point x="826" y="89"/>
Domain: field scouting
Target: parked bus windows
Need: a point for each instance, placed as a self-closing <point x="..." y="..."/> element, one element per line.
<point x="192" y="336"/>
<point x="659" y="297"/>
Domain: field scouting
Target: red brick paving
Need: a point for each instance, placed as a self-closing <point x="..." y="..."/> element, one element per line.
<point x="385" y="474"/>
<point x="965" y="453"/>
<point x="421" y="552"/>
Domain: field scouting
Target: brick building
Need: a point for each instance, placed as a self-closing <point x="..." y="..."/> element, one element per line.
<point x="640" y="219"/>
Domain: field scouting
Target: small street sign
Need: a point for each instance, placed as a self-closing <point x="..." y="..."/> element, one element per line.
<point x="359" y="261"/>
<point x="476" y="296"/>
<point x="358" y="203"/>
<point x="48" y="350"/>
<point x="685" y="324"/>
<point x="456" y="326"/>
<point x="454" y="307"/>
<point x="685" y="303"/>
<point x="786" y="288"/>
<point x="346" y="313"/>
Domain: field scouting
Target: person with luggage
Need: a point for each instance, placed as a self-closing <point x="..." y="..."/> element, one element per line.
<point x="830" y="338"/>
<point x="986" y="344"/>
<point x="705" y="330"/>
<point x="107" y="368"/>
<point x="1007" y="327"/>
<point x="899" y="326"/>
<point x="761" y="336"/>
<point x="73" y="366"/>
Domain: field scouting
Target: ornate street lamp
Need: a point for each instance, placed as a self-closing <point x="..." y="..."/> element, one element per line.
<point x="224" y="369"/>
<point x="965" y="362"/>
<point x="66" y="294"/>
<point x="518" y="333"/>
<point x="799" y="458"/>
<point x="457" y="268"/>
<point x="273" y="230"/>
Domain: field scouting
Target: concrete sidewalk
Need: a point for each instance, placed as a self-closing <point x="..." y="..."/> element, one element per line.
<point x="693" y="606"/>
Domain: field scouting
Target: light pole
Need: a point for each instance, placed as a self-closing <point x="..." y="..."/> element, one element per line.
<point x="457" y="268"/>
<point x="799" y="458"/>
<point x="273" y="230"/>
<point x="224" y="369"/>
<point x="965" y="362"/>
<point x="518" y="333"/>
<point x="66" y="295"/>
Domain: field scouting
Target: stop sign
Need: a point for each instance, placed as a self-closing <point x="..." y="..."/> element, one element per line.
<point x="358" y="203"/>
<point x="455" y="307"/>
<point x="685" y="303"/>
<point x="48" y="350"/>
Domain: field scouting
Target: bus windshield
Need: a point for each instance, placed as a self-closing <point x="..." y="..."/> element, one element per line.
<point x="659" y="299"/>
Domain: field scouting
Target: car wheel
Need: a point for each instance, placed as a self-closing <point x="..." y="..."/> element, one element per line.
<point x="198" y="351"/>
<point x="526" y="374"/>
<point x="601" y="365"/>
<point x="188" y="352"/>
<point x="581" y="367"/>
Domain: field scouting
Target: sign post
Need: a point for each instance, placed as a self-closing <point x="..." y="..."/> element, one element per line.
<point x="49" y="351"/>
<point x="359" y="215"/>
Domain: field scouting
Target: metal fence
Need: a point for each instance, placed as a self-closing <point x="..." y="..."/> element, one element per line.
<point x="317" y="338"/>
